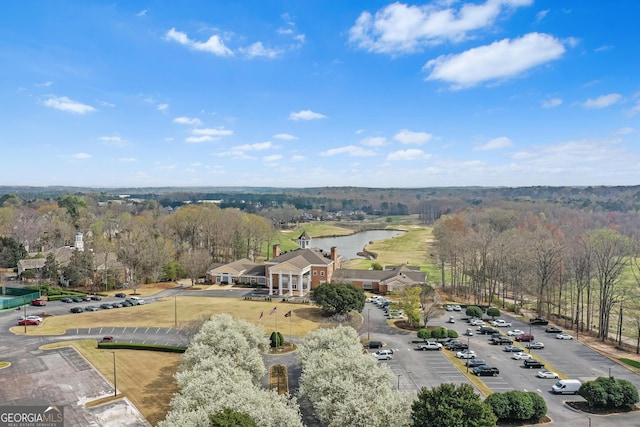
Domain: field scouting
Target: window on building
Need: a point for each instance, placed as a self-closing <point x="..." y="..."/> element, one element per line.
<point x="315" y="273"/>
<point x="367" y="285"/>
<point x="322" y="273"/>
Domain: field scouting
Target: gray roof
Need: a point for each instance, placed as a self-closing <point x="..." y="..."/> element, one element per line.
<point x="301" y="258"/>
<point x="379" y="275"/>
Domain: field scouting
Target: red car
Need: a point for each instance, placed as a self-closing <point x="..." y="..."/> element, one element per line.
<point x="38" y="301"/>
<point x="524" y="338"/>
<point x="28" y="322"/>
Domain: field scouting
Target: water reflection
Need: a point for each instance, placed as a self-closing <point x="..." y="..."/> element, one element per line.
<point x="349" y="246"/>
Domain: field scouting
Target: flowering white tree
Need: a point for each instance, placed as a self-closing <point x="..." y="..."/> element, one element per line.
<point x="222" y="369"/>
<point x="347" y="387"/>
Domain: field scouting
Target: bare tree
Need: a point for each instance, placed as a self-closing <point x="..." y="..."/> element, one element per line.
<point x="195" y="263"/>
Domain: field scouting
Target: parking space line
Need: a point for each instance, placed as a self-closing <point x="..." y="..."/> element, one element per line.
<point x="146" y="330"/>
<point x="168" y="330"/>
<point x="134" y="331"/>
<point x="157" y="331"/>
<point x="100" y="330"/>
<point x="124" y="330"/>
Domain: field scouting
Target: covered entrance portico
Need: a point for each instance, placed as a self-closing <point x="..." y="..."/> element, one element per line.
<point x="286" y="276"/>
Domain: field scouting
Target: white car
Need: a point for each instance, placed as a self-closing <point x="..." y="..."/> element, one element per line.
<point x="383" y="354"/>
<point x="457" y="308"/>
<point x="466" y="354"/>
<point x="448" y="307"/>
<point x="534" y="345"/>
<point x="501" y="323"/>
<point x="429" y="345"/>
<point x="32" y="317"/>
<point x="546" y="374"/>
<point x="564" y="337"/>
<point x="476" y="322"/>
<point x="515" y="332"/>
<point x="522" y="356"/>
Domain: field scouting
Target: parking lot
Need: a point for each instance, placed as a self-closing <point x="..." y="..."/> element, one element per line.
<point x="569" y="358"/>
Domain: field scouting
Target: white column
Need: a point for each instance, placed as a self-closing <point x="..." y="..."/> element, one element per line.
<point x="270" y="279"/>
<point x="280" y="283"/>
<point x="290" y="284"/>
<point x="301" y="284"/>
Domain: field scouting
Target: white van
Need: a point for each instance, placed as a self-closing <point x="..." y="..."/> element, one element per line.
<point x="566" y="387"/>
<point x="136" y="300"/>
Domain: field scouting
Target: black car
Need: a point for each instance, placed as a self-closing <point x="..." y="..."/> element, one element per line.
<point x="472" y="363"/>
<point x="553" y="330"/>
<point x="486" y="370"/>
<point x="486" y="330"/>
<point x="91" y="308"/>
<point x="374" y="344"/>
<point x="121" y="295"/>
<point x="66" y="299"/>
<point x="457" y="346"/>
<point x="106" y="306"/>
<point x="531" y="363"/>
<point x="538" y="321"/>
<point x="76" y="299"/>
<point x="76" y="310"/>
<point x="96" y="297"/>
<point x="126" y="303"/>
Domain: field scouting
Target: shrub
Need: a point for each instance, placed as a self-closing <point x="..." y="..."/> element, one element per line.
<point x="276" y="338"/>
<point x="231" y="418"/>
<point x="517" y="405"/>
<point x="474" y="311"/>
<point x="493" y="312"/>
<point x="609" y="393"/>
<point x="452" y="334"/>
<point x="439" y="333"/>
<point x="424" y="334"/>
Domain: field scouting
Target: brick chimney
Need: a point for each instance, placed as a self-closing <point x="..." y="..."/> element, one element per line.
<point x="276" y="251"/>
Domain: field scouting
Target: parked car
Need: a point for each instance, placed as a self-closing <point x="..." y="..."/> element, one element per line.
<point x="532" y="363"/>
<point x="501" y="340"/>
<point x="28" y="322"/>
<point x="383" y="354"/>
<point x="96" y="298"/>
<point x="91" y="308"/>
<point x="477" y="322"/>
<point x="76" y="299"/>
<point x="472" y="363"/>
<point x="429" y="345"/>
<point x="86" y="298"/>
<point x="121" y="295"/>
<point x="466" y="354"/>
<point x="486" y="330"/>
<point x="116" y="305"/>
<point x="546" y="374"/>
<point x="458" y="346"/>
<point x="66" y="299"/>
<point x="521" y="356"/>
<point x="534" y="345"/>
<point x="501" y="323"/>
<point x="374" y="344"/>
<point x="76" y="310"/>
<point x="456" y="307"/>
<point x="511" y="348"/>
<point x="483" y="370"/>
<point x="38" y="302"/>
<point x="538" y="321"/>
<point x="32" y="317"/>
<point x="107" y="338"/>
<point x="515" y="332"/>
<point x="126" y="303"/>
<point x="468" y="332"/>
<point x="564" y="337"/>
<point x="553" y="330"/>
<point x="566" y="387"/>
<point x="524" y="338"/>
<point x="106" y="306"/>
<point x="448" y="307"/>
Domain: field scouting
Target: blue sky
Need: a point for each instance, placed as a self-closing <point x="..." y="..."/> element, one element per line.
<point x="320" y="93"/>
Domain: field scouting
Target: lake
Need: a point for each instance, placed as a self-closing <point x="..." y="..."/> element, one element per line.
<point x="349" y="246"/>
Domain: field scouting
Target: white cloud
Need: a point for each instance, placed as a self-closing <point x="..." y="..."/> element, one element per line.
<point x="634" y="110"/>
<point x="113" y="140"/>
<point x="411" y="154"/>
<point x="213" y="45"/>
<point x="65" y="104"/>
<point x="162" y="107"/>
<point x="603" y="48"/>
<point x="405" y="136"/>
<point x="306" y="115"/>
<point x="257" y="49"/>
<point x="551" y="103"/>
<point x="45" y="84"/>
<point x="602" y="101"/>
<point x="297" y="157"/>
<point x="253" y="147"/>
<point x="285" y="136"/>
<point x="374" y="141"/>
<point x="272" y="158"/>
<point x="187" y="120"/>
<point x="143" y="12"/>
<point x="199" y="139"/>
<point x="495" y="144"/>
<point x="401" y="28"/>
<point x="350" y="150"/>
<point x="216" y="132"/>
<point x="499" y="60"/>
<point x="81" y="156"/>
<point x="624" y="131"/>
<point x="360" y="131"/>
<point x="127" y="159"/>
<point x="541" y="15"/>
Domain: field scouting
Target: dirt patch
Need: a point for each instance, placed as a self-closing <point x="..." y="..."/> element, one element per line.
<point x="516" y="423"/>
<point x="402" y="324"/>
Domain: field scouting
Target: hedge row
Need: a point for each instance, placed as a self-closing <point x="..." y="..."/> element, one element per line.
<point x="138" y="346"/>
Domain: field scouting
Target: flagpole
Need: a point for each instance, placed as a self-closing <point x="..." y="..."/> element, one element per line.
<point x="290" y="333"/>
<point x="276" y="317"/>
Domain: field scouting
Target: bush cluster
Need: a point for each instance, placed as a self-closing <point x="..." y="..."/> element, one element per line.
<point x="518" y="405"/>
<point x="609" y="393"/>
<point x="437" y="333"/>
